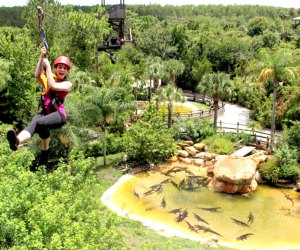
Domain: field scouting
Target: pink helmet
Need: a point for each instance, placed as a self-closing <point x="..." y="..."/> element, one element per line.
<point x="62" y="59"/>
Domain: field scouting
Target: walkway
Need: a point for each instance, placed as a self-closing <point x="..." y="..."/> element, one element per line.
<point x="244" y="151"/>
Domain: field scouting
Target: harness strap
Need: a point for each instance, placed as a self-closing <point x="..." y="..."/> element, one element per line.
<point x="55" y="99"/>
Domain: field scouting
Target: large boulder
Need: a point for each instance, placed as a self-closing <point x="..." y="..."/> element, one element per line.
<point x="234" y="175"/>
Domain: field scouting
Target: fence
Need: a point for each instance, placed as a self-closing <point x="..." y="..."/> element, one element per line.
<point x="194" y="97"/>
<point x="260" y="137"/>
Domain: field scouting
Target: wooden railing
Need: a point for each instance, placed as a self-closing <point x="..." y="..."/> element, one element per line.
<point x="261" y="137"/>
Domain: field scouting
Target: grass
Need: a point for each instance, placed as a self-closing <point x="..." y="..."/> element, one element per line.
<point x="200" y="106"/>
<point x="180" y="108"/>
<point x="136" y="235"/>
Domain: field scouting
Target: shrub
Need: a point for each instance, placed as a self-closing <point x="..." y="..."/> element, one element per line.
<point x="149" y="141"/>
<point x="95" y="148"/>
<point x="219" y="145"/>
<point x="288" y="164"/>
<point x="197" y="130"/>
<point x="293" y="137"/>
<point x="270" y="170"/>
<point x="60" y="210"/>
<point x="241" y="138"/>
<point x="282" y="165"/>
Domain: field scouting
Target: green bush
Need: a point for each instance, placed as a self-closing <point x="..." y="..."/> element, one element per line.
<point x="219" y="145"/>
<point x="240" y="138"/>
<point x="95" y="148"/>
<point x="195" y="129"/>
<point x="288" y="164"/>
<point x="149" y="141"/>
<point x="283" y="165"/>
<point x="293" y="137"/>
<point x="61" y="210"/>
<point x="270" y="170"/>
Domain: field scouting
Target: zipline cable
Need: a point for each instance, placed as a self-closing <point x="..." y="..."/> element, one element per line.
<point x="56" y="19"/>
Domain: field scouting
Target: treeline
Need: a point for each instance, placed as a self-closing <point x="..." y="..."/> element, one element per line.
<point x="12" y="16"/>
<point x="245" y="12"/>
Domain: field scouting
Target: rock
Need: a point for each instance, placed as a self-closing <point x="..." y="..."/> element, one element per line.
<point x="183" y="153"/>
<point x="259" y="156"/>
<point x="298" y="187"/>
<point x="191" y="150"/>
<point x="220" y="157"/>
<point x="172" y="159"/>
<point x="200" y="155"/>
<point x="210" y="171"/>
<point x="186" y="160"/>
<point x="182" y="145"/>
<point x="199" y="146"/>
<point x="234" y="175"/>
<point x="259" y="178"/>
<point x="205" y="155"/>
<point x="199" y="162"/>
<point x="185" y="144"/>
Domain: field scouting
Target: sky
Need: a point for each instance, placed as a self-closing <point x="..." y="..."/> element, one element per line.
<point x="276" y="3"/>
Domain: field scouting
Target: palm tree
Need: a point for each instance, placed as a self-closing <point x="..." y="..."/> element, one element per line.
<point x="174" y="68"/>
<point x="278" y="66"/>
<point x="105" y="105"/>
<point x="216" y="85"/>
<point x="155" y="71"/>
<point x="170" y="94"/>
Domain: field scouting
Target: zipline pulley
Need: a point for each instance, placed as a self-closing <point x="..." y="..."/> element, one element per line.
<point x="41" y="15"/>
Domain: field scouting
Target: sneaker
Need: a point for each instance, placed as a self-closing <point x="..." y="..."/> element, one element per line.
<point x="12" y="139"/>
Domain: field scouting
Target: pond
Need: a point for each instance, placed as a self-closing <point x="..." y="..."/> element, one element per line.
<point x="175" y="201"/>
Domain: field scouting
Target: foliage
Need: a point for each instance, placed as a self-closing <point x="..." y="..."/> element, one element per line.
<point x="293" y="137"/>
<point x="270" y="170"/>
<point x="288" y="164"/>
<point x="283" y="165"/>
<point x="18" y="94"/>
<point x="11" y="16"/>
<point x="238" y="138"/>
<point x="169" y="94"/>
<point x="219" y="145"/>
<point x="148" y="140"/>
<point x="52" y="211"/>
<point x="197" y="130"/>
<point x="95" y="148"/>
<point x="218" y="86"/>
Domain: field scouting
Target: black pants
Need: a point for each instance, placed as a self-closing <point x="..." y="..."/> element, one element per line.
<point x="41" y="124"/>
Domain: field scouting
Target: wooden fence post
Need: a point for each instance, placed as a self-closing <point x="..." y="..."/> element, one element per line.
<point x="237" y="127"/>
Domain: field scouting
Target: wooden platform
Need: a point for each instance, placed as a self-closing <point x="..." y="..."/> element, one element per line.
<point x="244" y="151"/>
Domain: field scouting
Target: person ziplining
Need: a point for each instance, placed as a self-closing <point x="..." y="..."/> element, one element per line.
<point x="52" y="114"/>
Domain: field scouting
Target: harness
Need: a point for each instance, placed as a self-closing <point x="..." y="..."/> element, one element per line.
<point x="55" y="99"/>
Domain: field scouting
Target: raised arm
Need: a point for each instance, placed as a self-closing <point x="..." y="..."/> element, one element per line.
<point x="39" y="66"/>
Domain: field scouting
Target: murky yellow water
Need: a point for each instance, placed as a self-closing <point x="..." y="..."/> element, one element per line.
<point x="273" y="225"/>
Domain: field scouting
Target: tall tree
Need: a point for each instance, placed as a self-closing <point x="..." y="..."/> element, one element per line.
<point x="102" y="106"/>
<point x="217" y="85"/>
<point x="155" y="70"/>
<point x="174" y="68"/>
<point x="279" y="66"/>
<point x="170" y="94"/>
